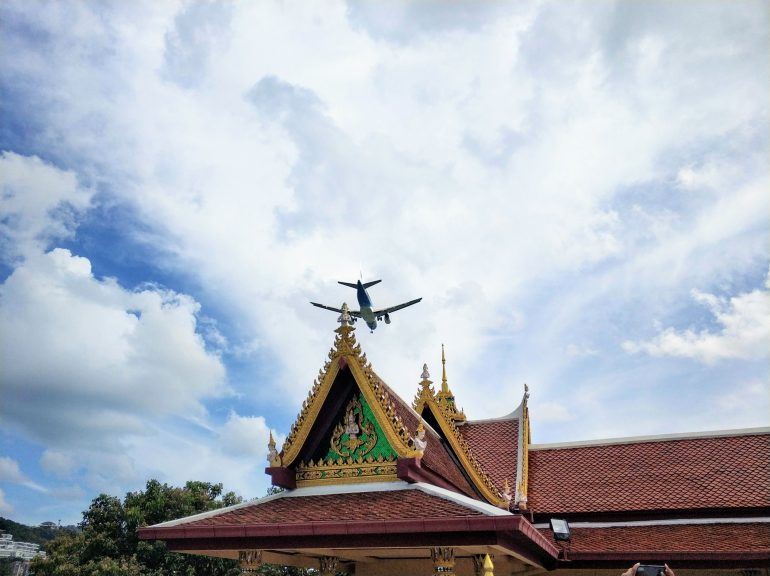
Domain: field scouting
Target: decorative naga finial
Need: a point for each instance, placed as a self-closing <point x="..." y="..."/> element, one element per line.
<point x="425" y="374"/>
<point x="419" y="440"/>
<point x="273" y="458"/>
<point x="345" y="318"/>
<point x="507" y="494"/>
<point x="444" y="385"/>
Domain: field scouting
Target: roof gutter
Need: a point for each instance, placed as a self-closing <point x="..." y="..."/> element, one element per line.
<point x="513" y="532"/>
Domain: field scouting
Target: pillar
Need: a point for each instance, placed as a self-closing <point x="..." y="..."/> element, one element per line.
<point x="329" y="565"/>
<point x="488" y="566"/>
<point x="482" y="565"/>
<point x="250" y="561"/>
<point x="443" y="561"/>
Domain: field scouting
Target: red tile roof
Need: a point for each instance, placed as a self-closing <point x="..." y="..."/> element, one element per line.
<point x="495" y="445"/>
<point x="669" y="539"/>
<point x="386" y="505"/>
<point x="693" y="473"/>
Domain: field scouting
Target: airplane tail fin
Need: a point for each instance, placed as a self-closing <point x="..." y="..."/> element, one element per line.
<point x="366" y="284"/>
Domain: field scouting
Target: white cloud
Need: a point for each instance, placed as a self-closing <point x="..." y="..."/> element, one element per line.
<point x="10" y="472"/>
<point x="5" y="507"/>
<point x="111" y="356"/>
<point x="246" y="436"/>
<point x="751" y="396"/>
<point x="39" y="203"/>
<point x="58" y="463"/>
<point x="744" y="330"/>
<point x="72" y="492"/>
<point x="580" y="350"/>
<point x="548" y="412"/>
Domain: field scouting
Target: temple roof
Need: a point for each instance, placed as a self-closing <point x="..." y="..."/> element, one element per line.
<point x="436" y="456"/>
<point x="372" y="434"/>
<point x="495" y="444"/>
<point x="375" y="501"/>
<point x="695" y="545"/>
<point x="363" y="466"/>
<point x="711" y="472"/>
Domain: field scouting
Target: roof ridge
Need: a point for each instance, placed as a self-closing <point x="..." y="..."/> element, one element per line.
<point x="619" y="441"/>
<point x="462" y="499"/>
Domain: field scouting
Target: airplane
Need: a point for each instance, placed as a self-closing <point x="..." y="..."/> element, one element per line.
<point x="366" y="311"/>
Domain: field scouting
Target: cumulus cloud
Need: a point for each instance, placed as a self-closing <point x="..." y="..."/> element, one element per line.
<point x="246" y="436"/>
<point x="72" y="492"/>
<point x="10" y="472"/>
<point x="744" y="330"/>
<point x="89" y="358"/>
<point x="58" y="463"/>
<point x="549" y="412"/>
<point x="5" y="507"/>
<point x="266" y="178"/>
<point x="39" y="203"/>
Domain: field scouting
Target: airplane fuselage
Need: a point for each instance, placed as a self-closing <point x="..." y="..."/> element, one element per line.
<point x="365" y="306"/>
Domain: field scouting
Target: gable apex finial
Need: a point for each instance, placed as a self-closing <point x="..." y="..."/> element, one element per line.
<point x="425" y="374"/>
<point x="444" y="385"/>
<point x="345" y="319"/>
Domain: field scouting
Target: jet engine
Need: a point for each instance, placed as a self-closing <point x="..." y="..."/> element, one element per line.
<point x="387" y="318"/>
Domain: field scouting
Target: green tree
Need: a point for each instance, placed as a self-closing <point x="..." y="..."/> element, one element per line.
<point x="107" y="544"/>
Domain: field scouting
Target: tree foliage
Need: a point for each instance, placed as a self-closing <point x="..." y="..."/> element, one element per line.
<point x="34" y="534"/>
<point x="107" y="544"/>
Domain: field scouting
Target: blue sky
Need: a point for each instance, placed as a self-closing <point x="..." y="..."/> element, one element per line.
<point x="578" y="191"/>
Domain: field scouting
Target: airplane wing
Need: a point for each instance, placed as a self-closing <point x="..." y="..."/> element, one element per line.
<point x="394" y="308"/>
<point x="354" y="313"/>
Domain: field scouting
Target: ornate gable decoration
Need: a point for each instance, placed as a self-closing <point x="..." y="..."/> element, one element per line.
<point x="358" y="451"/>
<point x="443" y="408"/>
<point x="381" y="437"/>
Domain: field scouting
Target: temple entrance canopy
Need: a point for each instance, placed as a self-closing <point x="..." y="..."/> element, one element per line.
<point x="373" y="485"/>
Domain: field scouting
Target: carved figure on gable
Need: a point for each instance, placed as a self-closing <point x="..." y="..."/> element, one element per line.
<point x="351" y="428"/>
<point x="357" y="436"/>
<point x="420" y="443"/>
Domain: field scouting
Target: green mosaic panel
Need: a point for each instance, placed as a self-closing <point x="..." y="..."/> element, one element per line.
<point x="381" y="449"/>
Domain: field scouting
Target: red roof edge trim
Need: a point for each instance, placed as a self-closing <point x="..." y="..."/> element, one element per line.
<point x="527" y="535"/>
<point x="282" y="477"/>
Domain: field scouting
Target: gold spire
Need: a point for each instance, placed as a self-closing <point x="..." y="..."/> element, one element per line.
<point x="444" y="385"/>
<point x="273" y="457"/>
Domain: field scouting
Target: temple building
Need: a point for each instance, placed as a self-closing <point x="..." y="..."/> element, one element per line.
<point x="373" y="485"/>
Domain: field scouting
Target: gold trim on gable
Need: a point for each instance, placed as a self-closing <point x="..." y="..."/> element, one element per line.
<point x="462" y="450"/>
<point x="524" y="438"/>
<point x="349" y="471"/>
<point x="345" y="346"/>
<point x="446" y="414"/>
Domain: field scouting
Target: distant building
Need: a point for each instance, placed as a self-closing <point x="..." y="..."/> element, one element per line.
<point x="18" y="550"/>
<point x="49" y="525"/>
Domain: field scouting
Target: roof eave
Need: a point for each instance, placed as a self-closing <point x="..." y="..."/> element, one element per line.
<point x="513" y="532"/>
